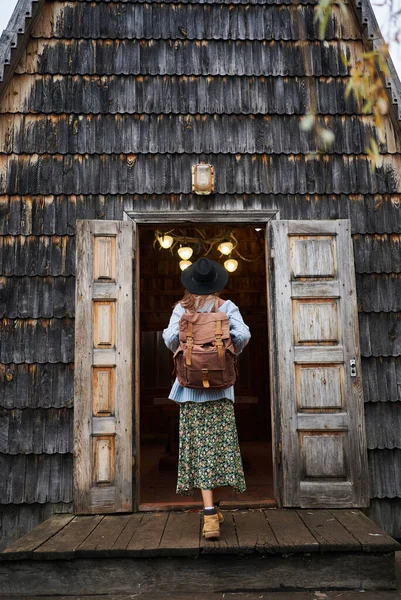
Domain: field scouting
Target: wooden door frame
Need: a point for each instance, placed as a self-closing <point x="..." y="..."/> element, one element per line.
<point x="182" y="217"/>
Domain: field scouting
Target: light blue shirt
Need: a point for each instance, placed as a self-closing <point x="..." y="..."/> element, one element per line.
<point x="240" y="336"/>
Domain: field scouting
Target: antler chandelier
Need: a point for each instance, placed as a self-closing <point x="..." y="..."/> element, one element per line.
<point x="187" y="245"/>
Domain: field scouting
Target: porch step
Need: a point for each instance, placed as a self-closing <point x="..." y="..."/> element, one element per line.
<point x="164" y="552"/>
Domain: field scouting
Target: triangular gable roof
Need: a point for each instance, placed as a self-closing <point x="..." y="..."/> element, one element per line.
<point x="15" y="37"/>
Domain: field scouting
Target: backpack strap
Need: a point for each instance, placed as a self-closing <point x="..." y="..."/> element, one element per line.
<point x="219" y="344"/>
<point x="190" y="343"/>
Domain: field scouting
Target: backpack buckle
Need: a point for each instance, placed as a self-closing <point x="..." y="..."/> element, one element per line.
<point x="205" y="378"/>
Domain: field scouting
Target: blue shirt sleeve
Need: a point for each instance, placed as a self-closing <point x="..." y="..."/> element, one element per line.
<point x="239" y="331"/>
<point x="170" y="334"/>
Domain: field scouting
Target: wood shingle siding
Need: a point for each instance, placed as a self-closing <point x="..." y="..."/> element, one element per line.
<point x="37" y="297"/>
<point x="382" y="379"/>
<point x="36" y="385"/>
<point x="239" y="173"/>
<point x="31" y="478"/>
<point x="55" y="215"/>
<point x="189" y="134"/>
<point x="178" y="95"/>
<point x="111" y="104"/>
<point x="188" y="21"/>
<point x="36" y="431"/>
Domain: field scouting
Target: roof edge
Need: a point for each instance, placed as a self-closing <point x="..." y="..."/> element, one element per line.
<point x="15" y="37"/>
<point x="374" y="38"/>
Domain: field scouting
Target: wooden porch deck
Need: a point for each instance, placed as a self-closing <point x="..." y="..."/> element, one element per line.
<point x="267" y="531"/>
<point x="164" y="552"/>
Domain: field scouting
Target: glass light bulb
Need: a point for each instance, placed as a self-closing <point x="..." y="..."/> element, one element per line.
<point x="166" y="241"/>
<point x="231" y="265"/>
<point x="258" y="229"/>
<point x="185" y="252"/>
<point x="184" y="264"/>
<point x="225" y="247"/>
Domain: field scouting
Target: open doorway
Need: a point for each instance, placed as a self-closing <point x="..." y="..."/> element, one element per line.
<point x="160" y="289"/>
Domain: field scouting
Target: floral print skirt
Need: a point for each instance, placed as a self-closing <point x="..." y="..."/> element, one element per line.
<point x="209" y="451"/>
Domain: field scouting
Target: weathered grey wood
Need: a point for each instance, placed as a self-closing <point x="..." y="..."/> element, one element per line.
<point x="371" y="537"/>
<point x="65" y="542"/>
<point x="284" y="392"/>
<point x="24" y="547"/>
<point x="101" y="540"/>
<point x="104" y="338"/>
<point x="119" y="546"/>
<point x="309" y="421"/>
<point x="83" y="369"/>
<point x="228" y="541"/>
<point x="291" y="533"/>
<point x="329" y="532"/>
<point x="254" y="533"/>
<point x="136" y="382"/>
<point x="310" y="354"/>
<point x="311" y="227"/>
<point x="148" y="535"/>
<point x="181" y="535"/>
<point x="353" y="391"/>
<point x="211" y="574"/>
<point x="329" y="595"/>
<point x="124" y="366"/>
<point x="274" y="381"/>
<point x="198" y="216"/>
<point x="306" y="289"/>
<point x="335" y="494"/>
<point x="323" y="456"/>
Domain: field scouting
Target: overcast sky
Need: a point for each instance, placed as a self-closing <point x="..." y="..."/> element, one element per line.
<point x="7" y="7"/>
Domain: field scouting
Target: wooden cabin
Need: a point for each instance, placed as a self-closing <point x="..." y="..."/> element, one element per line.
<point x="105" y="107"/>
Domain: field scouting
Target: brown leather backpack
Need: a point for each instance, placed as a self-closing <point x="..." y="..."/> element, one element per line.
<point x="205" y="358"/>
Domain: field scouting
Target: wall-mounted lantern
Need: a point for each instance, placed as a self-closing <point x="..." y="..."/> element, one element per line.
<point x="203" y="179"/>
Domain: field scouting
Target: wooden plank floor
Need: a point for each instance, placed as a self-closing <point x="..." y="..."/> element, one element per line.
<point x="254" y="531"/>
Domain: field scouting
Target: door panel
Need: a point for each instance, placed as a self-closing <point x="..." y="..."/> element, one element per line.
<point x="103" y="367"/>
<point x="320" y="444"/>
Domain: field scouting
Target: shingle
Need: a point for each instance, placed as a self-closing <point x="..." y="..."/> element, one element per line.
<point x="381" y="379"/>
<point x="385" y="473"/>
<point x="379" y="292"/>
<point x="173" y="2"/>
<point x="377" y="253"/>
<point x="380" y="334"/>
<point x="37" y="297"/>
<point x="35" y="479"/>
<point x="188" y="21"/>
<point x="192" y="134"/>
<point x="49" y="215"/>
<point x="387" y="514"/>
<point x="37" y="340"/>
<point x="54" y="215"/>
<point x="17" y="520"/>
<point x="37" y="385"/>
<point x="187" y="57"/>
<point x="193" y="95"/>
<point x="36" y="431"/>
<point x="383" y="425"/>
<point x="260" y="173"/>
<point x="37" y="255"/>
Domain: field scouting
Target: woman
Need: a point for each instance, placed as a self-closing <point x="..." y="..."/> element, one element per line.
<point x="209" y="454"/>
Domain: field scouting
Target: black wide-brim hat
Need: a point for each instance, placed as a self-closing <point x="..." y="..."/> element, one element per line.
<point x="205" y="276"/>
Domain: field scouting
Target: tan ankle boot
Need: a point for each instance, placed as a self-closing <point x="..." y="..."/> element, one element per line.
<point x="211" y="526"/>
<point x="220" y="515"/>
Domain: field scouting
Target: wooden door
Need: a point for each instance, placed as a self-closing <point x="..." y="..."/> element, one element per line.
<point x="319" y="434"/>
<point x="103" y="367"/>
